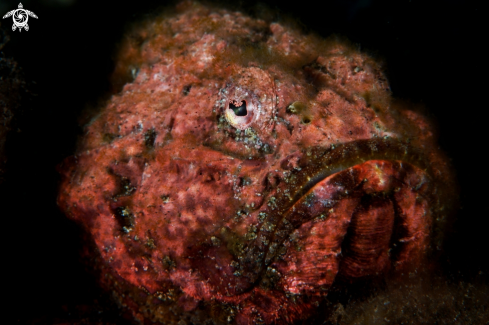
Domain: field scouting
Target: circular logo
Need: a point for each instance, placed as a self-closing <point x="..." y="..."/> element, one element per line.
<point x="20" y="18"/>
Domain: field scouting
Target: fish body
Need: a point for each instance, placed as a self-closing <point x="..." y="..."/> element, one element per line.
<point x="241" y="166"/>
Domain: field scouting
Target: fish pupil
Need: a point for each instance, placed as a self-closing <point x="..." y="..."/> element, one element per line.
<point x="239" y="108"/>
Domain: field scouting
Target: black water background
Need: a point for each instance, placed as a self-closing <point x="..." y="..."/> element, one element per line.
<point x="434" y="55"/>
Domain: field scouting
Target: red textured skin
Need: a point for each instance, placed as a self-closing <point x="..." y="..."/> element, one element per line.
<point x="188" y="216"/>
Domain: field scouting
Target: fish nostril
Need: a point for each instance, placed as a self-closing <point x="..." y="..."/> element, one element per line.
<point x="239" y="108"/>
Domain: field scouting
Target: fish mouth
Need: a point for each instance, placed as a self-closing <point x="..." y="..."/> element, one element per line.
<point x="320" y="164"/>
<point x="363" y="183"/>
<point x="360" y="222"/>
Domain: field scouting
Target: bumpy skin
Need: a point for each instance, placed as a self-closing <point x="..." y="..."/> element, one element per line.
<point x="198" y="209"/>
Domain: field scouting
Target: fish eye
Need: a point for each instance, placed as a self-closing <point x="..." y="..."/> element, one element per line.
<point x="239" y="108"/>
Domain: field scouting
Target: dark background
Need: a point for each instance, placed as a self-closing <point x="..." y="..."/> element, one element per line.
<point x="434" y="55"/>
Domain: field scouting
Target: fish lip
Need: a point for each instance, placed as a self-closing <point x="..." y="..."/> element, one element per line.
<point x="340" y="157"/>
<point x="317" y="179"/>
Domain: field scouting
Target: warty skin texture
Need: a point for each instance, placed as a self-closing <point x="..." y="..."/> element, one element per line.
<point x="199" y="209"/>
